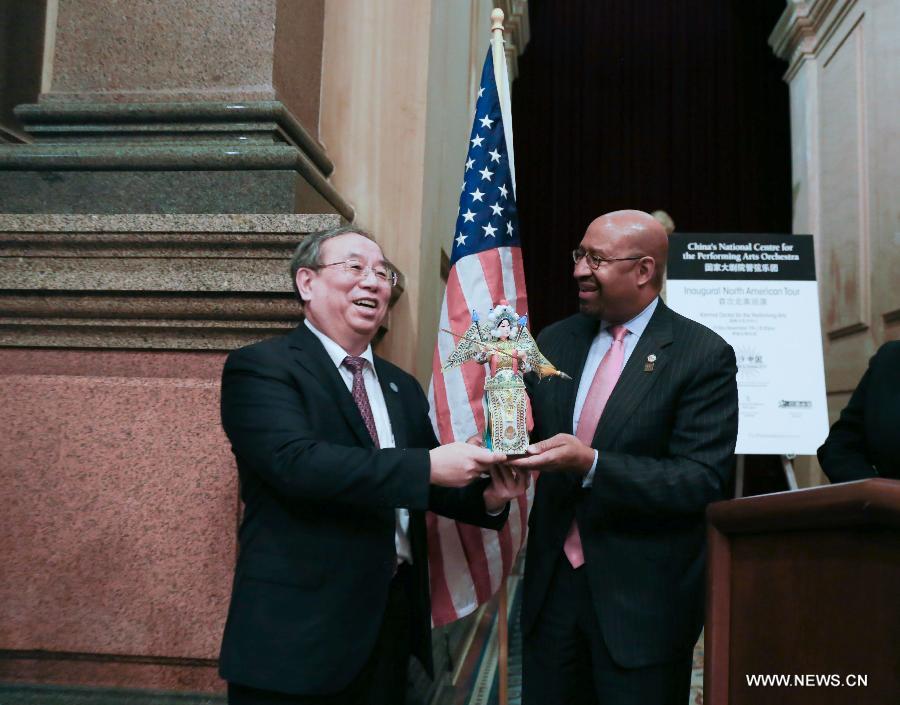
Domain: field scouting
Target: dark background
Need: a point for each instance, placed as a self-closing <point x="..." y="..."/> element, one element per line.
<point x="676" y="105"/>
<point x="21" y="58"/>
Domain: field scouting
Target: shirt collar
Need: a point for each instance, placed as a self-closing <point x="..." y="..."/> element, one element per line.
<point x="637" y="324"/>
<point x="335" y="351"/>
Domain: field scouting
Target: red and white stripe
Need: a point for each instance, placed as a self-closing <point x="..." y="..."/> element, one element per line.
<point x="467" y="563"/>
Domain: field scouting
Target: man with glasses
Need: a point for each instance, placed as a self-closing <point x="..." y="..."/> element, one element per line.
<point x="632" y="452"/>
<point x="337" y="463"/>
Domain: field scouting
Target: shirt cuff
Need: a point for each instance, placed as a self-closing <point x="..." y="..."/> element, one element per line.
<point x="588" y="480"/>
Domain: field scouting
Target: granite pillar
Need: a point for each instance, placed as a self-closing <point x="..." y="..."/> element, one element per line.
<point x="120" y="510"/>
<point x="174" y="106"/>
<point x="121" y="498"/>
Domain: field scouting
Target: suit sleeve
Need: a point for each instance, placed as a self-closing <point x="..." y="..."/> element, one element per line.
<point x="697" y="466"/>
<point x="843" y="455"/>
<point x="271" y="432"/>
<point x="466" y="505"/>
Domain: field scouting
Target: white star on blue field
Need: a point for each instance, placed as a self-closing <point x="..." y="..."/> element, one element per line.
<point x="487" y="207"/>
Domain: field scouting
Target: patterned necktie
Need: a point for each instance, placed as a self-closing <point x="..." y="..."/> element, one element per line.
<point x="600" y="390"/>
<point x="355" y="365"/>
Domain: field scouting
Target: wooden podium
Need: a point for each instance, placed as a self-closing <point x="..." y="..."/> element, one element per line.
<point x="803" y="601"/>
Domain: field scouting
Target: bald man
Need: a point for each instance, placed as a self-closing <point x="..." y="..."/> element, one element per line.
<point x="630" y="454"/>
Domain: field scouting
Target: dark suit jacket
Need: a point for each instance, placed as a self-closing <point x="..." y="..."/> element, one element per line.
<point x="666" y="449"/>
<point x="864" y="441"/>
<point x="317" y="548"/>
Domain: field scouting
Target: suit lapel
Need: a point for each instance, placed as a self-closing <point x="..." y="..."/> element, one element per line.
<point x="390" y="388"/>
<point x="311" y="356"/>
<point x="635" y="381"/>
<point x="572" y="359"/>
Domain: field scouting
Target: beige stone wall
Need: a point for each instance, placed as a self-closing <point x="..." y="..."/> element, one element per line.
<point x="844" y="79"/>
<point x="453" y="76"/>
<point x="374" y="97"/>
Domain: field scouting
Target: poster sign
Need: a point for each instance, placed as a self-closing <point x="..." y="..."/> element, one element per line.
<point x="759" y="293"/>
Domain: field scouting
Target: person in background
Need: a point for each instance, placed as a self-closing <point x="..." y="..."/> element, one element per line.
<point x="864" y="441"/>
<point x="665" y="220"/>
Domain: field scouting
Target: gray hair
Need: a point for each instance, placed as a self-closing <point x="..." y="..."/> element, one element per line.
<point x="306" y="256"/>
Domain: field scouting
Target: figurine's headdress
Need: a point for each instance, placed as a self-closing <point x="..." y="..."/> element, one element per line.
<point x="503" y="312"/>
<point x="473" y="342"/>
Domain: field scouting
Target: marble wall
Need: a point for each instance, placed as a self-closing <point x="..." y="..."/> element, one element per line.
<point x="121" y="499"/>
<point x="120" y="511"/>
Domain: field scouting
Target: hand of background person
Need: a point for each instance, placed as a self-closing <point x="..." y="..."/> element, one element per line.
<point x="476" y="440"/>
<point x="561" y="453"/>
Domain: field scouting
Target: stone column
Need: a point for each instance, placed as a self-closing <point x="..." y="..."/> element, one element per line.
<point x="174" y="106"/>
<point x="121" y="497"/>
<point x="844" y="78"/>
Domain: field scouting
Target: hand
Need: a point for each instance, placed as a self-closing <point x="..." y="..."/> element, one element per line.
<point x="506" y="483"/>
<point x="562" y="453"/>
<point x="458" y="464"/>
<point x="476" y="440"/>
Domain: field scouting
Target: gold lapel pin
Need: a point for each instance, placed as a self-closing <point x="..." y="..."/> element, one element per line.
<point x="648" y="366"/>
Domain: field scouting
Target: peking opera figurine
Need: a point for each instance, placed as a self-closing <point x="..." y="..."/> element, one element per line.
<point x="507" y="348"/>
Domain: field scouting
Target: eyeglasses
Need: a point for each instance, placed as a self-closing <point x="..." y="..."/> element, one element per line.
<point x="361" y="271"/>
<point x="594" y="261"/>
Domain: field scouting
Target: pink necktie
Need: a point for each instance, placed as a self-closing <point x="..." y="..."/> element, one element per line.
<point x="602" y="385"/>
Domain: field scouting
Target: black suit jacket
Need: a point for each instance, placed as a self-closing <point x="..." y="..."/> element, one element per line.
<point x="666" y="449"/>
<point x="864" y="441"/>
<point x="317" y="550"/>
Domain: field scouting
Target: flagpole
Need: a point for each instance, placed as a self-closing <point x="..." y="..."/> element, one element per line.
<point x="503" y="651"/>
<point x="468" y="562"/>
<point x="501" y="78"/>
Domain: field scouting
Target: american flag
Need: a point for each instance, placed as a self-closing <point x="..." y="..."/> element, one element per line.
<point x="468" y="564"/>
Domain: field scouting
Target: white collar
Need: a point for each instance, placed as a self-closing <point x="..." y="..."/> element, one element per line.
<point x="637" y="324"/>
<point x="335" y="351"/>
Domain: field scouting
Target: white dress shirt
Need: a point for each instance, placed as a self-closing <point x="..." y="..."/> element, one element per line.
<point x="601" y="343"/>
<point x="382" y="421"/>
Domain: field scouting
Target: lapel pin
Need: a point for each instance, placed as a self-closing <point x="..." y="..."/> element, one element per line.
<point x="648" y="366"/>
<point x="394" y="387"/>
